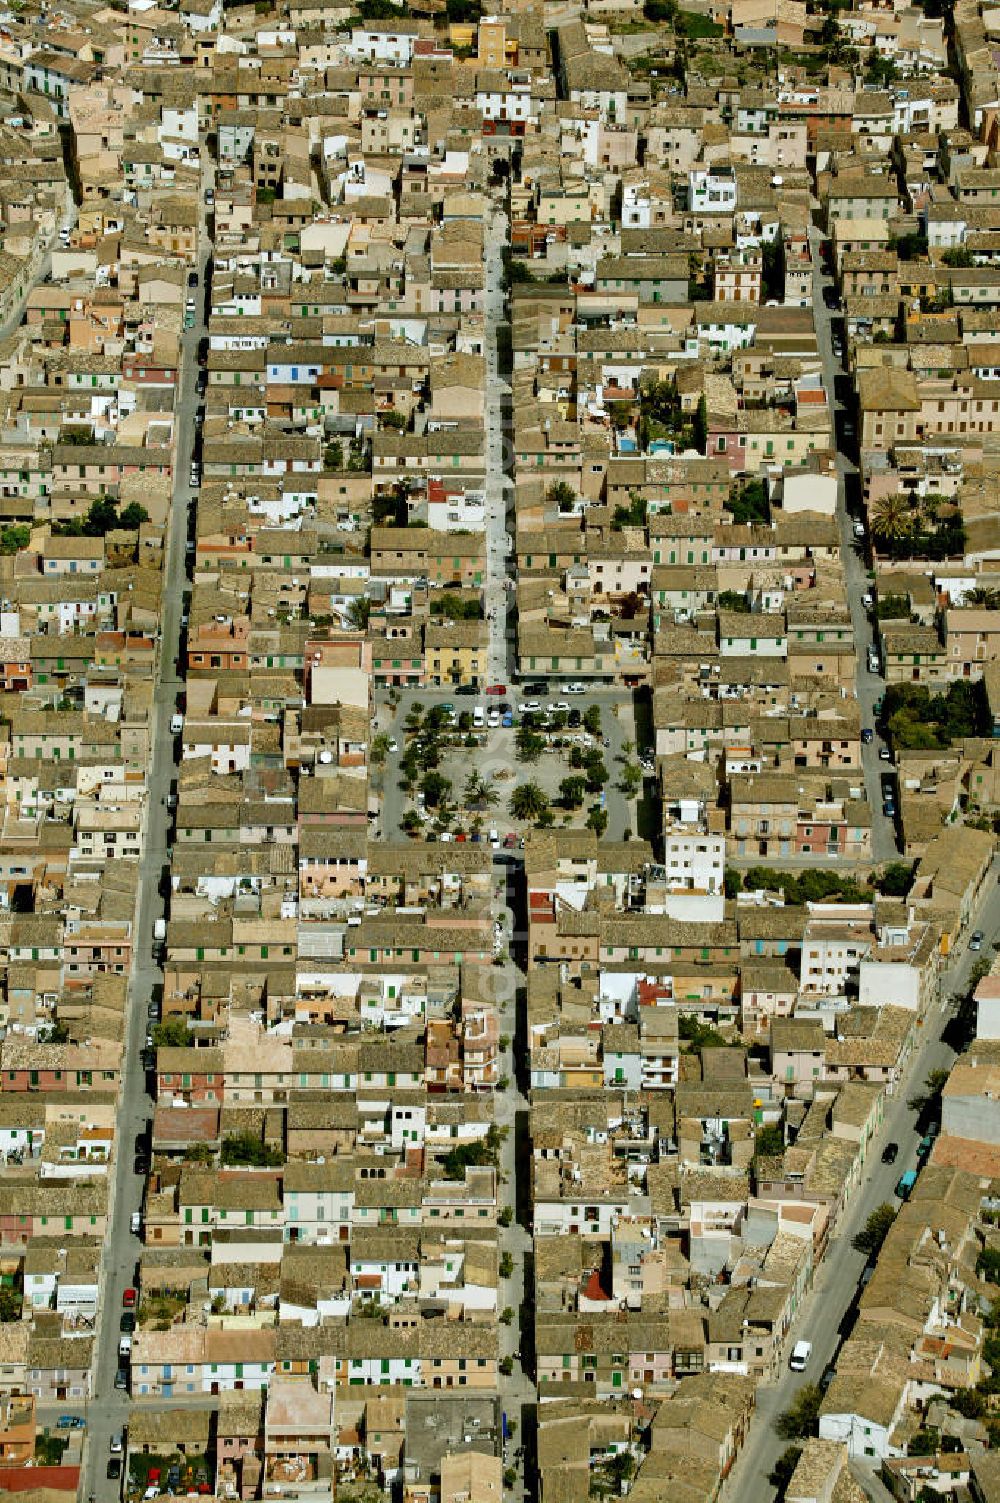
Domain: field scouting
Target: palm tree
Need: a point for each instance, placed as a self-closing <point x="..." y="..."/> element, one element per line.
<point x="478" y="793"/>
<point x="528" y="802"/>
<point x="892" y="517"/>
<point x="989" y="599"/>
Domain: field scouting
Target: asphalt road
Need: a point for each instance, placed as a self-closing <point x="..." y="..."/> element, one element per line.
<point x="43" y="271"/>
<point x="516" y="1389"/>
<point x="868" y="686"/>
<point x="109" y="1407"/>
<point x="837" y="1281"/>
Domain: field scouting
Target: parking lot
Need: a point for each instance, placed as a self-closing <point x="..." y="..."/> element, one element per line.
<point x="477" y="754"/>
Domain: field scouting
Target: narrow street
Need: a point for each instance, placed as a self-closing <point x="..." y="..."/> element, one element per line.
<point x="108" y="1409"/>
<point x="499" y="486"/>
<point x="869" y="687"/>
<point x="514" y="1242"/>
<point x="837" y="1282"/>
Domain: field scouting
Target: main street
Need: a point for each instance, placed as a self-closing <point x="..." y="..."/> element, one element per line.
<point x="514" y="1242"/>
<point x="837" y="1282"/>
<point x="108" y="1408"/>
<point x="869" y="686"/>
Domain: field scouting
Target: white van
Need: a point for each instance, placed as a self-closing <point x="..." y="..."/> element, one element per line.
<point x="135" y="1223"/>
<point x="799" y="1360"/>
<point x="479" y="717"/>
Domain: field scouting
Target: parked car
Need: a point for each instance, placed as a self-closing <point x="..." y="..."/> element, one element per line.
<point x="799" y="1360"/>
<point x="576" y="688"/>
<point x="498" y="689"/>
<point x="127" y="1322"/>
<point x="867" y="735"/>
<point x="530" y="707"/>
<point x="859" y="530"/>
<point x="905" y="1184"/>
<point x="558" y="707"/>
<point x="976" y="941"/>
<point x="114" y="1468"/>
<point x="70" y="1422"/>
<point x="121" y="1379"/>
<point x="884" y="754"/>
<point x="493" y="720"/>
<point x="868" y="600"/>
<point x="890" y="1153"/>
<point x="118" y="1439"/>
<point x="129" y="1299"/>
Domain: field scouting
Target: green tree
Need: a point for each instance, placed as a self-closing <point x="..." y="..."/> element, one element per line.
<point x="478" y="793"/>
<point x="571" y="791"/>
<point x="10" y="1304"/>
<point x="875" y="1230"/>
<point x="801" y="1418"/>
<point x="783" y="1469"/>
<point x="435" y="788"/>
<point x="769" y="1140"/>
<point x="245" y="1148"/>
<point x="924" y="1443"/>
<point x="561" y="495"/>
<point x="959" y="256"/>
<point x="592" y="720"/>
<point x="379" y="748"/>
<point x="700" y="436"/>
<point x="505" y="1267"/>
<point x="13" y="539"/>
<point x="528" y="802"/>
<point x="733" y="600"/>
<point x="631" y="779"/>
<point x="896" y="880"/>
<point x="892" y="516"/>
<point x="773" y="270"/>
<point x="699" y="1035"/>
<point x="595" y="772"/>
<point x="892" y="608"/>
<point x="748" y="502"/>
<point x="333" y="456"/>
<point x="132" y="517"/>
<point x="529" y="743"/>
<point x="410" y="822"/>
<point x="172" y="1033"/>
<point x="597" y="820"/>
<point x="359" y="613"/>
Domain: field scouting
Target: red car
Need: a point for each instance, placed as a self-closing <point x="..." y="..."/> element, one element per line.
<point x="129" y="1299"/>
<point x="497" y="689"/>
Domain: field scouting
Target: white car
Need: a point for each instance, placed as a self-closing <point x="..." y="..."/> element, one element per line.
<point x="530" y="707"/>
<point x="576" y="688"/>
<point x="493" y="720"/>
<point x="558" y="707"/>
<point x="859" y="529"/>
<point x="393" y="744"/>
